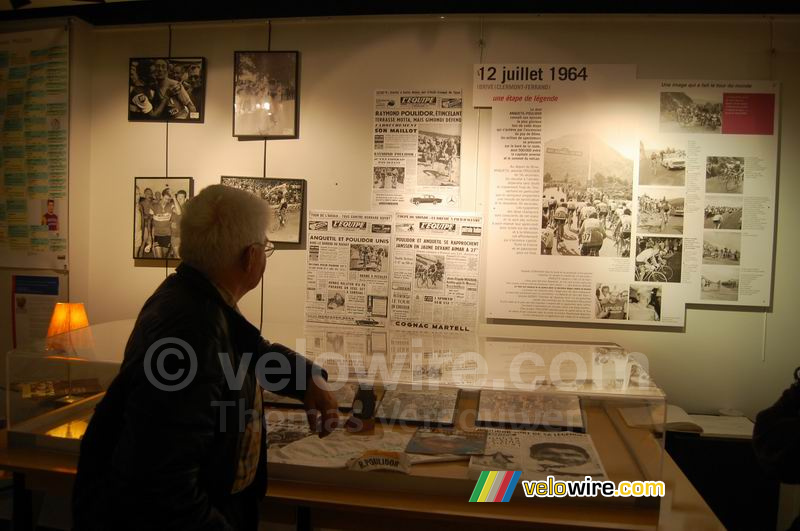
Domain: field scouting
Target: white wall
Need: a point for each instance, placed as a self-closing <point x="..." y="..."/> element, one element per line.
<point x="715" y="362"/>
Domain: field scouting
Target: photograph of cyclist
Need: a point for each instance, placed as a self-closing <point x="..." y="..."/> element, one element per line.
<point x="388" y="177"/>
<point x="723" y="212"/>
<point x="658" y="259"/>
<point x="587" y="188"/>
<point x="611" y="301"/>
<point x="697" y="111"/>
<point x="286" y="198"/>
<point x="429" y="272"/>
<point x="439" y="155"/>
<point x="265" y="94"/>
<point x="164" y="89"/>
<point x="725" y="175"/>
<point x="369" y="258"/>
<point x="158" y="204"/>
<point x="722" y="247"/>
<point x="660" y="211"/>
<point x="662" y="162"/>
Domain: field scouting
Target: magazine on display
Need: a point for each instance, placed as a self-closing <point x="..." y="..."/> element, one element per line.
<point x="447" y="441"/>
<point x="564" y="455"/>
<point x="284" y="427"/>
<point x="422" y="406"/>
<point x="344" y="395"/>
<point x="521" y="410"/>
<point x="347" y="274"/>
<point x="340" y="447"/>
<point x="417" y="150"/>
<point x="435" y="271"/>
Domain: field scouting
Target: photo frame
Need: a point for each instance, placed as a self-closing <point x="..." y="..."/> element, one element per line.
<point x="285" y="197"/>
<point x="265" y="95"/>
<point x="167" y="89"/>
<point x="156" y="216"/>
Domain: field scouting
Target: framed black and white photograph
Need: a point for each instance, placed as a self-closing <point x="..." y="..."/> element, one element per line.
<point x="166" y="89"/>
<point x="285" y="197"/>
<point x="158" y="204"/>
<point x="265" y="103"/>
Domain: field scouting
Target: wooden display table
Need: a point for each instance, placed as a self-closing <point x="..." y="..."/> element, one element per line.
<point x="344" y="507"/>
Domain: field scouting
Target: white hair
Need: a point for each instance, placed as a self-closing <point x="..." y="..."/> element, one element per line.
<point x="218" y="224"/>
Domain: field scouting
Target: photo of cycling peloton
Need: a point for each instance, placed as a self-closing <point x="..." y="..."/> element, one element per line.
<point x="587" y="202"/>
<point x="439" y="155"/>
<point x="384" y="177"/>
<point x="658" y="259"/>
<point x="724" y="175"/>
<point x="660" y="211"/>
<point x="722" y="247"/>
<point x="691" y="112"/>
<point x="429" y="272"/>
<point x="369" y="258"/>
<point x="286" y="199"/>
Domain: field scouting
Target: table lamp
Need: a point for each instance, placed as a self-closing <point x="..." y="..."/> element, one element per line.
<point x="67" y="317"/>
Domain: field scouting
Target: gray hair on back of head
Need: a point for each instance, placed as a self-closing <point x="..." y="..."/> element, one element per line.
<point x="218" y="224"/>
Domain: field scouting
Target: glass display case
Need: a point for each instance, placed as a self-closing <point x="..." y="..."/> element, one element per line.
<point x="53" y="384"/>
<point x="570" y="410"/>
<point x="445" y="408"/>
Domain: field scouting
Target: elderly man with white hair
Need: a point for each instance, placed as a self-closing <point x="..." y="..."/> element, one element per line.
<point x="178" y="441"/>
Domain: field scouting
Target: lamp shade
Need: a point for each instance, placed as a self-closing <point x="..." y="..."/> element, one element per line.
<point x="67" y="316"/>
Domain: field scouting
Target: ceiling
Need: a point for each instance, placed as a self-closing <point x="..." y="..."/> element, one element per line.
<point x="148" y="11"/>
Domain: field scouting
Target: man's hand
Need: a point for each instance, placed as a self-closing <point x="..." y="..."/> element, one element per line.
<point x="321" y="407"/>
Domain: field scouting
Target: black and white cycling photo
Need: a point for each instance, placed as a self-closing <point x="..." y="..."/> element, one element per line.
<point x="392" y="178"/>
<point x="265" y="101"/>
<point x="722" y="247"/>
<point x="723" y="212"/>
<point x="691" y="111"/>
<point x="719" y="283"/>
<point x="286" y="199"/>
<point x="662" y="162"/>
<point x="158" y="204"/>
<point x="439" y="155"/>
<point x="658" y="259"/>
<point x="162" y="89"/>
<point x="660" y="211"/>
<point x="429" y="272"/>
<point x="369" y="258"/>
<point x="586" y="212"/>
<point x="724" y="175"/>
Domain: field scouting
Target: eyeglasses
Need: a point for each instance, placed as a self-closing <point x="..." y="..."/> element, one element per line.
<point x="269" y="248"/>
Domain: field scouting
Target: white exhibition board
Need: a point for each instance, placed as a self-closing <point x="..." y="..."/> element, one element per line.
<point x="581" y="152"/>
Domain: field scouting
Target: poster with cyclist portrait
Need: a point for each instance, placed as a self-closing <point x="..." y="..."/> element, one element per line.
<point x="435" y="271"/>
<point x="286" y="199"/>
<point x="417" y="150"/>
<point x="348" y="266"/>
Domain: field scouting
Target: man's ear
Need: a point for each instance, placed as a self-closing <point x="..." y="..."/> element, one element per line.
<point x="249" y="258"/>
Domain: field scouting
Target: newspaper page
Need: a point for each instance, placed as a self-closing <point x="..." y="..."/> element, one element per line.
<point x="417" y="150"/>
<point x="34" y="116"/>
<point x="708" y="175"/>
<point x="435" y="271"/>
<point x="347" y="275"/>
<point x="561" y="210"/>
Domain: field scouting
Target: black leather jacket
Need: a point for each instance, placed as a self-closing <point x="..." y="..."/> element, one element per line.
<point x="155" y="459"/>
